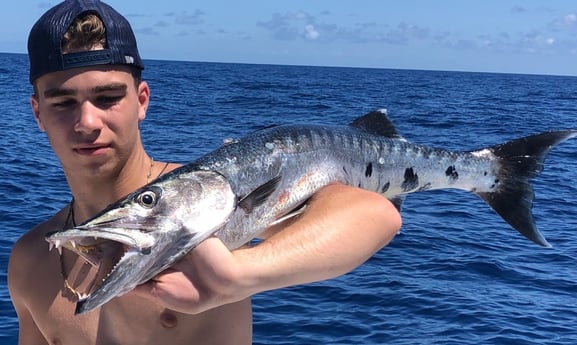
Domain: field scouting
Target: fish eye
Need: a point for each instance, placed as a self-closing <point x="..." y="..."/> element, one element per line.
<point x="147" y="199"/>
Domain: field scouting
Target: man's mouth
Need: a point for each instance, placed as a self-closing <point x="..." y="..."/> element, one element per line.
<point x="91" y="150"/>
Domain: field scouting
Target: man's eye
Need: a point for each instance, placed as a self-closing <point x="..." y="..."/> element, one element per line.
<point x="109" y="100"/>
<point x="64" y="103"/>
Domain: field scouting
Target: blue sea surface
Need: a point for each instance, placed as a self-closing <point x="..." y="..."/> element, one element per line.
<point x="456" y="274"/>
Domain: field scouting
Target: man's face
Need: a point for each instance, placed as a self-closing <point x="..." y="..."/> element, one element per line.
<point x="91" y="116"/>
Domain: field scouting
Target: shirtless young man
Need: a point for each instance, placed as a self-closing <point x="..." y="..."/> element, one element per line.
<point x="89" y="100"/>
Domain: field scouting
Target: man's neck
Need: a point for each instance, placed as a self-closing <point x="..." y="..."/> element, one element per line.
<point x="92" y="194"/>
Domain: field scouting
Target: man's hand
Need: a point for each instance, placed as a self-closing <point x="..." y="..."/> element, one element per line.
<point x="205" y="278"/>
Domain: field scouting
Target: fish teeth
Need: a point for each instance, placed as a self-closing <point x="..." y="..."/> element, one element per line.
<point x="58" y="245"/>
<point x="81" y="296"/>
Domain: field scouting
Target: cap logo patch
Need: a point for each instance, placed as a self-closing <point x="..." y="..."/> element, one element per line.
<point x="129" y="59"/>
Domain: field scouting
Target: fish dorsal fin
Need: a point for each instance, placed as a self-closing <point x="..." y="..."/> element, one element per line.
<point x="376" y="122"/>
<point x="258" y="196"/>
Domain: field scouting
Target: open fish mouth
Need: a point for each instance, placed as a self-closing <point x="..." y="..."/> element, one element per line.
<point x="104" y="251"/>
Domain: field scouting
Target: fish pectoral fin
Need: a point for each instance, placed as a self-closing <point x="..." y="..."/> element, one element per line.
<point x="258" y="196"/>
<point x="397" y="201"/>
<point x="295" y="212"/>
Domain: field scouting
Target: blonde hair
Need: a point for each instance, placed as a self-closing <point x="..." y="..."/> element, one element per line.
<point x="85" y="33"/>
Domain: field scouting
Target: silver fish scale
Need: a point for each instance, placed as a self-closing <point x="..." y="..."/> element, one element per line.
<point x="309" y="157"/>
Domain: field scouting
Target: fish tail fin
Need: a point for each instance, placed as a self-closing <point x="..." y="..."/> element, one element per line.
<point x="521" y="160"/>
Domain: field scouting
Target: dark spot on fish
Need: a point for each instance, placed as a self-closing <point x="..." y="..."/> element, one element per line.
<point x="411" y="180"/>
<point x="359" y="185"/>
<point x="474" y="190"/>
<point x="495" y="184"/>
<point x="369" y="170"/>
<point x="385" y="187"/>
<point x="485" y="173"/>
<point x="345" y="170"/>
<point x="452" y="173"/>
<point x="425" y="187"/>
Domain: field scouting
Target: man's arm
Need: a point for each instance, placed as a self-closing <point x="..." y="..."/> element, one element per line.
<point x="28" y="332"/>
<point x="340" y="229"/>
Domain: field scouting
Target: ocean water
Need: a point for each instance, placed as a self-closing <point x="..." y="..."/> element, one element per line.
<point x="456" y="274"/>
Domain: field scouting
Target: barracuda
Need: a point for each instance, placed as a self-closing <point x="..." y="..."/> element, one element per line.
<point x="247" y="185"/>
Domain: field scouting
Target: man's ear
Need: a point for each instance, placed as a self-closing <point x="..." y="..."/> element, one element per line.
<point x="36" y="111"/>
<point x="143" y="99"/>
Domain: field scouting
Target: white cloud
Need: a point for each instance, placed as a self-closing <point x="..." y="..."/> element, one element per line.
<point x="301" y="25"/>
<point x="570" y="19"/>
<point x="311" y="33"/>
<point x="187" y="19"/>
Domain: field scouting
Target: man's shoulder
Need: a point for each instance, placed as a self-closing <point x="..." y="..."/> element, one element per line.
<point x="37" y="233"/>
<point x="31" y="249"/>
<point x="33" y="278"/>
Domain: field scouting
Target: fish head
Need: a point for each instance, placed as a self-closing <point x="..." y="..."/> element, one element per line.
<point x="137" y="237"/>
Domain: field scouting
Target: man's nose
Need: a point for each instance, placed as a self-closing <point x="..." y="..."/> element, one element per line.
<point x="90" y="118"/>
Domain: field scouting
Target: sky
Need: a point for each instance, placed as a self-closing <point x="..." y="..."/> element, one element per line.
<point x="505" y="36"/>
